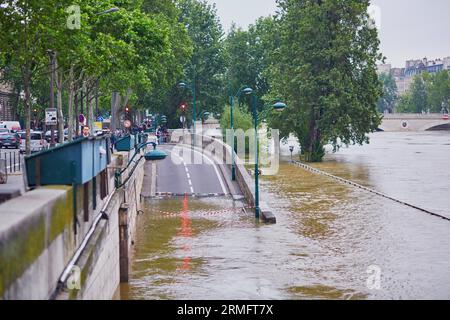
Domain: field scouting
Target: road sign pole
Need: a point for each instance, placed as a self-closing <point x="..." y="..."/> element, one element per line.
<point x="52" y="93"/>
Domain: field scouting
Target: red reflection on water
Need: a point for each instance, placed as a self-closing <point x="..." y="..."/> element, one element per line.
<point x="186" y="232"/>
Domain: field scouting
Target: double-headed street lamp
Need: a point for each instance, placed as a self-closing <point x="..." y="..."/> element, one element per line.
<point x="278" y="106"/>
<point x="233" y="166"/>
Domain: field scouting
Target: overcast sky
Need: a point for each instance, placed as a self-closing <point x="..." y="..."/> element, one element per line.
<point x="410" y="29"/>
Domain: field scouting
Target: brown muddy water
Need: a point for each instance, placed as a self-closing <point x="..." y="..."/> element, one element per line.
<point x="331" y="241"/>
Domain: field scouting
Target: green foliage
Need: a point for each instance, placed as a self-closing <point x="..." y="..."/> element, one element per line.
<point x="390" y="94"/>
<point x="419" y="96"/>
<point x="404" y="104"/>
<point x="326" y="71"/>
<point x="242" y="119"/>
<point x="207" y="65"/>
<point x="415" y="100"/>
<point x="438" y="91"/>
<point x="249" y="54"/>
<point x="138" y="51"/>
<point x="428" y="93"/>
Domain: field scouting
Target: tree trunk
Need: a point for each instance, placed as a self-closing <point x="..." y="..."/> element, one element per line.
<point x="314" y="148"/>
<point x="59" y="108"/>
<point x="70" y="104"/>
<point x="115" y="112"/>
<point x="77" y="119"/>
<point x="27" y="105"/>
<point x="114" y="97"/>
<point x="91" y="106"/>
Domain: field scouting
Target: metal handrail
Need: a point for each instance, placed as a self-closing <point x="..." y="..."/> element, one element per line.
<point x="118" y="174"/>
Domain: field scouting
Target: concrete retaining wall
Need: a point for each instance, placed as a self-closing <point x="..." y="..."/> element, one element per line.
<point x="38" y="239"/>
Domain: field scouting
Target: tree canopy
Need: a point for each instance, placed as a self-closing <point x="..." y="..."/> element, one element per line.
<point x="326" y="70"/>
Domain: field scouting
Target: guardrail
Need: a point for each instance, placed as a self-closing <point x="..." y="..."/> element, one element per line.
<point x="13" y="161"/>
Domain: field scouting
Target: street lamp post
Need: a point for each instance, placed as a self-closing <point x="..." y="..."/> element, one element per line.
<point x="279" y="106"/>
<point x="233" y="156"/>
<point x="184" y="85"/>
<point x="51" y="54"/>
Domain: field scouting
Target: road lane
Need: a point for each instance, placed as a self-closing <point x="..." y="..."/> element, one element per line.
<point x="180" y="177"/>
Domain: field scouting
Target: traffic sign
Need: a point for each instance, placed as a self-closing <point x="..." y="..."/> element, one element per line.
<point x="98" y="126"/>
<point x="183" y="119"/>
<point x="82" y="119"/>
<point x="51" y="117"/>
<point x="100" y="119"/>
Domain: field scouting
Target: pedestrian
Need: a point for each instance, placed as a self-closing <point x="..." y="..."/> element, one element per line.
<point x="158" y="134"/>
<point x="113" y="142"/>
<point x="86" y="132"/>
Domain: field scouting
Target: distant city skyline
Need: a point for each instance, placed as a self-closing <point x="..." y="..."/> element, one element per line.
<point x="410" y="29"/>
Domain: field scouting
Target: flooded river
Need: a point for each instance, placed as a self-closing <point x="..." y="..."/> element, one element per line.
<point x="331" y="241"/>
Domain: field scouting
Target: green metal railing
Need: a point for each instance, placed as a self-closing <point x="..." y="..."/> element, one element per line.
<point x="118" y="174"/>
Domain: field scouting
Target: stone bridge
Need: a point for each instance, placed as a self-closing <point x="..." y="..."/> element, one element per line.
<point x="400" y="122"/>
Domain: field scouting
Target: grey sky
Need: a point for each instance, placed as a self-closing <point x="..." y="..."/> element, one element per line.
<point x="410" y="29"/>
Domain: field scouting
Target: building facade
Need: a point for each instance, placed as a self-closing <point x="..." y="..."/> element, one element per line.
<point x="6" y="102"/>
<point x="405" y="76"/>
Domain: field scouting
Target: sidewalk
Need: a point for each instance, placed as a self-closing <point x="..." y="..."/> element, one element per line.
<point x="13" y="188"/>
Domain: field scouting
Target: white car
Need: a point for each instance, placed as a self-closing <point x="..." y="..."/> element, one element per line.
<point x="37" y="141"/>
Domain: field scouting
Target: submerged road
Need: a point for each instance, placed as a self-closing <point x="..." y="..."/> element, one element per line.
<point x="189" y="172"/>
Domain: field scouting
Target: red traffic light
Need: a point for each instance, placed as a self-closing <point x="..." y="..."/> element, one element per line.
<point x="183" y="107"/>
<point x="127" y="109"/>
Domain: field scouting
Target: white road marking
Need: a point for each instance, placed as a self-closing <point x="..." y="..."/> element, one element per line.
<point x="219" y="177"/>
<point x="187" y="172"/>
<point x="222" y="185"/>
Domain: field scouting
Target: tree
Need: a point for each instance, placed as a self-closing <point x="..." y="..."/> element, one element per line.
<point x="419" y="96"/>
<point x="207" y="66"/>
<point x="249" y="54"/>
<point x="438" y="87"/>
<point x="404" y="104"/>
<point x="163" y="98"/>
<point x="387" y="101"/>
<point x="28" y="27"/>
<point x="242" y="119"/>
<point x="326" y="71"/>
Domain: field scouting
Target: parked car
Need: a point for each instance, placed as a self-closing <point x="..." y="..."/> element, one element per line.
<point x="48" y="136"/>
<point x="10" y="140"/>
<point x="4" y="131"/>
<point x="37" y="141"/>
<point x="13" y="126"/>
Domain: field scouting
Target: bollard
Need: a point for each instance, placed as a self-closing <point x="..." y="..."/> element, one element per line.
<point x="123" y="243"/>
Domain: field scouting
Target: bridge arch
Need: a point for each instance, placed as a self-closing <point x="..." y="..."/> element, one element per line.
<point x="432" y="125"/>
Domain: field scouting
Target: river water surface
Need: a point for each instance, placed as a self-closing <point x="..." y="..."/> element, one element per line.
<point x="331" y="241"/>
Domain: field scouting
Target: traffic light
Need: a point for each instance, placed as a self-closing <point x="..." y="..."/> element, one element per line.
<point x="127" y="109"/>
<point x="183" y="107"/>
